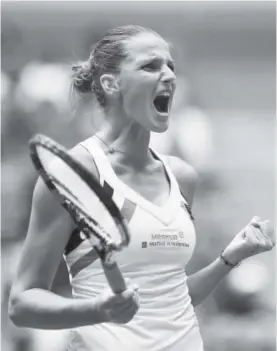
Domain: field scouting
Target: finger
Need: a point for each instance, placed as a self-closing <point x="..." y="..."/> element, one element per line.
<point x="137" y="299"/>
<point x="256" y="235"/>
<point x="124" y="313"/>
<point x="268" y="231"/>
<point x="125" y="295"/>
<point x="254" y="239"/>
<point x="257" y="240"/>
<point x="131" y="285"/>
<point x="255" y="221"/>
<point x="135" y="287"/>
<point x="261" y="238"/>
<point x="128" y="281"/>
<point x="131" y="308"/>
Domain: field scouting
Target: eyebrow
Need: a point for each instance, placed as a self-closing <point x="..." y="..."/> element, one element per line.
<point x="153" y="58"/>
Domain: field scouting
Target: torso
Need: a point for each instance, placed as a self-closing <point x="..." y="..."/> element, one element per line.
<point x="152" y="184"/>
<point x="162" y="242"/>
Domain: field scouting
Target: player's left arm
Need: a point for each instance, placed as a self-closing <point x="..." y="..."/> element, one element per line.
<point x="256" y="237"/>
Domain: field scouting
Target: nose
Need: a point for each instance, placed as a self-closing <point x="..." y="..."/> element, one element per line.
<point x="168" y="76"/>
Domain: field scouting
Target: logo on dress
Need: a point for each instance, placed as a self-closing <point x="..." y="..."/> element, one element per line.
<point x="166" y="238"/>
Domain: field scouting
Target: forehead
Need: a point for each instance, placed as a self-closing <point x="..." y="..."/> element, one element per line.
<point x="146" y="45"/>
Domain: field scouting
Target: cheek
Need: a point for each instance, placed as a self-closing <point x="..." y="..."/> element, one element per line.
<point x="138" y="92"/>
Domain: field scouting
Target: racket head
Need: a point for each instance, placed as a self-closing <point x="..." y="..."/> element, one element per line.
<point x="48" y="155"/>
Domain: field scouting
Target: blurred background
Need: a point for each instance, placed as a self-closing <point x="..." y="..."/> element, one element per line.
<point x="223" y="123"/>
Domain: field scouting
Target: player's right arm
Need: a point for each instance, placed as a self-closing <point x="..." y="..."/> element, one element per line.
<point x="31" y="303"/>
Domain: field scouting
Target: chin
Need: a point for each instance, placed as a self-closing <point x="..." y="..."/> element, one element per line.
<point x="160" y="128"/>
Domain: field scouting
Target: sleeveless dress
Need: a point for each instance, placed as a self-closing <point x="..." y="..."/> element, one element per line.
<point x="162" y="242"/>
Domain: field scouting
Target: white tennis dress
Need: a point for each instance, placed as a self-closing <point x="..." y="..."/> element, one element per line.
<point x="162" y="242"/>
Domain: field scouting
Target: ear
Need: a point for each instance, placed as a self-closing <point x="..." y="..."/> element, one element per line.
<point x="109" y="83"/>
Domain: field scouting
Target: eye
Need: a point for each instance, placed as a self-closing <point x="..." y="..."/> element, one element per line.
<point x="171" y="66"/>
<point x="151" y="66"/>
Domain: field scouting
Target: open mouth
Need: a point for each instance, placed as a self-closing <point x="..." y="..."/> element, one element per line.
<point x="161" y="103"/>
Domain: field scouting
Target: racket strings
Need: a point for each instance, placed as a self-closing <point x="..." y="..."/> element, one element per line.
<point x="88" y="224"/>
<point x="94" y="227"/>
<point x="63" y="186"/>
<point x="95" y="213"/>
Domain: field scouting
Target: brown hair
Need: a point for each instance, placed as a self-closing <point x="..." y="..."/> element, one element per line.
<point x="106" y="57"/>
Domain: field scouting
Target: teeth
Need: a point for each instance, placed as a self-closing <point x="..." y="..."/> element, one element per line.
<point x="166" y="94"/>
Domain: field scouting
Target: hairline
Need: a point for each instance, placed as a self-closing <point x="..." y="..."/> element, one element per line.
<point x="128" y="58"/>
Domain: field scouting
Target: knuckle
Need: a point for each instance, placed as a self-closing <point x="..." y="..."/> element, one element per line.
<point x="125" y="321"/>
<point x="251" y="241"/>
<point x="135" y="305"/>
<point x="127" y="318"/>
<point x="257" y="244"/>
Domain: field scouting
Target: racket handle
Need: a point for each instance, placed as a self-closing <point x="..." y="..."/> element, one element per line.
<point x="114" y="276"/>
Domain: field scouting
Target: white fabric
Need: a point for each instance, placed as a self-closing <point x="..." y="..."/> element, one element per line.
<point x="162" y="242"/>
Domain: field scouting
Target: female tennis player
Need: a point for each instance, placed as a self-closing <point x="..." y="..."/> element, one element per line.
<point x="131" y="73"/>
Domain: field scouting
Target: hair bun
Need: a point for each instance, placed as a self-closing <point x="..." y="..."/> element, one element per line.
<point x="76" y="67"/>
<point x="82" y="77"/>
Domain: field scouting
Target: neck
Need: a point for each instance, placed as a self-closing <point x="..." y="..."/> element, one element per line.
<point x="129" y="141"/>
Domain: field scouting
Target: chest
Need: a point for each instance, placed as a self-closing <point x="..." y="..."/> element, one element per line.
<point x="156" y="246"/>
<point x="153" y="186"/>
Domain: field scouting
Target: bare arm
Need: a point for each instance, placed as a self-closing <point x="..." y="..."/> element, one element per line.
<point x="31" y="303"/>
<point x="258" y="236"/>
<point x="203" y="282"/>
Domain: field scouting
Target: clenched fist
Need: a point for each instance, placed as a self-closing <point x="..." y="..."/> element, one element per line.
<point x="118" y="308"/>
<point x="257" y="237"/>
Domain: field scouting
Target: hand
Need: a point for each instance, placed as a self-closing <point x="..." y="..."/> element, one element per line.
<point x="258" y="236"/>
<point x="118" y="308"/>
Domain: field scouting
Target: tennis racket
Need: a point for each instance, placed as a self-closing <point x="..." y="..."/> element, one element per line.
<point x="91" y="208"/>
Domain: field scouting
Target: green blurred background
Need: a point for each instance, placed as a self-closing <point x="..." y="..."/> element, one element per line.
<point x="223" y="122"/>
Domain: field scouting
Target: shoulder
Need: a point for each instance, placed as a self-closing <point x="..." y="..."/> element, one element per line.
<point x="41" y="194"/>
<point x="186" y="176"/>
<point x="82" y="154"/>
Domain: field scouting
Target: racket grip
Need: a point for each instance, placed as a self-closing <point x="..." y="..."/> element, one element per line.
<point x="114" y="276"/>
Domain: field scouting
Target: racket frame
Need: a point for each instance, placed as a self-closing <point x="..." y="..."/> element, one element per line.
<point x="84" y="221"/>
